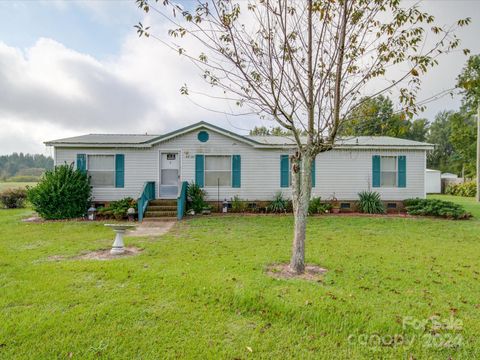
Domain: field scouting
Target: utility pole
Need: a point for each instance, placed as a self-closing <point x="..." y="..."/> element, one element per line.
<point x="478" y="152"/>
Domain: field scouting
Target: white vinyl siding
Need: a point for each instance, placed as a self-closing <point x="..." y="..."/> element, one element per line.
<point x="341" y="172"/>
<point x="388" y="171"/>
<point x="101" y="170"/>
<point x="218" y="170"/>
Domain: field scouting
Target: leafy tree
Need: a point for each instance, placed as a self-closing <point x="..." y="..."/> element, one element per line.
<point x="305" y="64"/>
<point x="260" y="131"/>
<point x="439" y="134"/>
<point x="418" y="130"/>
<point x="376" y="117"/>
<point x="463" y="138"/>
<point x="274" y="130"/>
<point x="469" y="82"/>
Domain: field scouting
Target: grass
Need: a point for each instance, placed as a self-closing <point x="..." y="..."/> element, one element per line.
<point x="4" y="185"/>
<point x="200" y="291"/>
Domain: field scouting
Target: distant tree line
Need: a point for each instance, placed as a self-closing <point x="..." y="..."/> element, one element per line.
<point x="24" y="167"/>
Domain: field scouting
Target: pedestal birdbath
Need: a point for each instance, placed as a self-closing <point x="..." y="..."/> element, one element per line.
<point x="118" y="247"/>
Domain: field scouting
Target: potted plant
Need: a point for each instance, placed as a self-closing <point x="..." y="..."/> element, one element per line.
<point x="335" y="205"/>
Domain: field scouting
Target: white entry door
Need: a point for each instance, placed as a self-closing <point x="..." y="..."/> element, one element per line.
<point x="169" y="174"/>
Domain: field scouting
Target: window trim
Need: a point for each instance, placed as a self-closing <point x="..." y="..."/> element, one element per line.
<point x="205" y="171"/>
<point x="396" y="172"/>
<point x="87" y="168"/>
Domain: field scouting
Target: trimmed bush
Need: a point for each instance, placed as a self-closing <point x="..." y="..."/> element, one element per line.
<point x="62" y="193"/>
<point x="13" y="198"/>
<point x="370" y="202"/>
<point x="434" y="207"/>
<point x="467" y="189"/>
<point x="196" y="198"/>
<point x="315" y="206"/>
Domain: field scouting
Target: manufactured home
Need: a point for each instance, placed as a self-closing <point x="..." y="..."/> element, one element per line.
<point x="227" y="164"/>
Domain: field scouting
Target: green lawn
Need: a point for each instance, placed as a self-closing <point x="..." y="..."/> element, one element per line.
<point x="13" y="185"/>
<point x="200" y="291"/>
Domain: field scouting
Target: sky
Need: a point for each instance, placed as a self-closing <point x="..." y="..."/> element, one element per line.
<point x="71" y="67"/>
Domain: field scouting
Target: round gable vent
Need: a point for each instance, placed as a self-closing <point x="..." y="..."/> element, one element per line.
<point x="203" y="136"/>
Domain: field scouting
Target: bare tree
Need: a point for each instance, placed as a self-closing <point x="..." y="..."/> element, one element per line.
<point x="306" y="64"/>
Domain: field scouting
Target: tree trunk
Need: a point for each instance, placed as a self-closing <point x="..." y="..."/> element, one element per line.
<point x="301" y="190"/>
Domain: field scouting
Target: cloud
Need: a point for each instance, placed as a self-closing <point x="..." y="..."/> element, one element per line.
<point x="55" y="92"/>
<point x="52" y="84"/>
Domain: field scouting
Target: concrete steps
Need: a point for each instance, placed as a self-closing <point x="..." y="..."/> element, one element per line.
<point x="160" y="209"/>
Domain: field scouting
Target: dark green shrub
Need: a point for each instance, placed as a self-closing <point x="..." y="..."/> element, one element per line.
<point x="118" y="209"/>
<point x="370" y="203"/>
<point x="13" y="198"/>
<point x="279" y="204"/>
<point x="238" y="205"/>
<point x="196" y="198"/>
<point x="467" y="189"/>
<point x="62" y="193"/>
<point x="315" y="206"/>
<point x="434" y="207"/>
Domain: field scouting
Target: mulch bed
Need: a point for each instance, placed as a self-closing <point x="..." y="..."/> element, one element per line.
<point x="282" y="271"/>
<point x="103" y="254"/>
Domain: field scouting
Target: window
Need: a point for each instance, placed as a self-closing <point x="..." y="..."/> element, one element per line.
<point x="218" y="170"/>
<point x="388" y="171"/>
<point x="101" y="169"/>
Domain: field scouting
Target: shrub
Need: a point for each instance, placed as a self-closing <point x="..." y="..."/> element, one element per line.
<point x="370" y="203"/>
<point x="13" y="198"/>
<point x="467" y="189"/>
<point x="434" y="207"/>
<point x="62" y="193"/>
<point x="315" y="206"/>
<point x="238" y="205"/>
<point x="118" y="209"/>
<point x="196" y="198"/>
<point x="279" y="204"/>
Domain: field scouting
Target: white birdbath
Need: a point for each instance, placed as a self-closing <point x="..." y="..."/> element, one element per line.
<point x="118" y="247"/>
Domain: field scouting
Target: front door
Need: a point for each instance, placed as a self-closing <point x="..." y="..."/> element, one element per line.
<point x="169" y="174"/>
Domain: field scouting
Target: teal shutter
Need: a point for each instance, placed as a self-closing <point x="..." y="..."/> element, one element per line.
<point x="284" y="171"/>
<point x="402" y="171"/>
<point x="82" y="162"/>
<point x="376" y="171"/>
<point x="119" y="170"/>
<point x="236" y="171"/>
<point x="313" y="172"/>
<point x="199" y="170"/>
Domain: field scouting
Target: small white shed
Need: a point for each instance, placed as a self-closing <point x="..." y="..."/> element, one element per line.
<point x="433" y="181"/>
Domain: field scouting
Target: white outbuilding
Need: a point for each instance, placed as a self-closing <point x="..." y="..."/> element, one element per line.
<point x="433" y="181"/>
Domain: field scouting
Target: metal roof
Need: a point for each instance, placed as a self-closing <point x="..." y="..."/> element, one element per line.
<point x="147" y="140"/>
<point x="346" y="141"/>
<point x="106" y="139"/>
